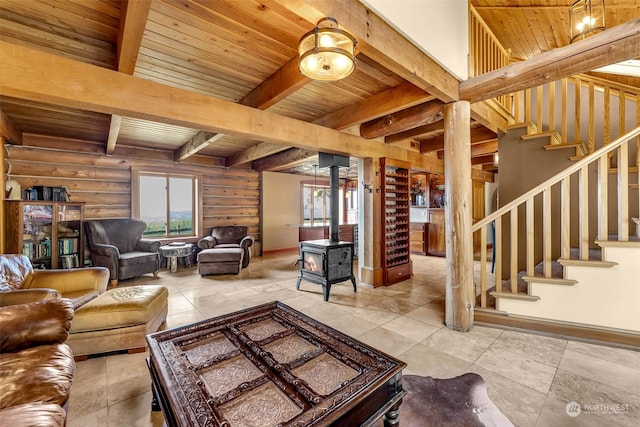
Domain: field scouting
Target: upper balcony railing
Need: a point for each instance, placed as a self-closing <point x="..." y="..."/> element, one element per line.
<point x="485" y="52"/>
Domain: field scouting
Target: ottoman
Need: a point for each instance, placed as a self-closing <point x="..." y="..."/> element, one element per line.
<point x="220" y="260"/>
<point x="119" y="319"/>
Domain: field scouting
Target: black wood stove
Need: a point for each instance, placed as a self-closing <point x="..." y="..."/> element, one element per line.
<point x="328" y="261"/>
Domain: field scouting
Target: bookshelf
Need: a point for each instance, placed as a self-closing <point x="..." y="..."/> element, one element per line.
<point x="396" y="262"/>
<point x="50" y="234"/>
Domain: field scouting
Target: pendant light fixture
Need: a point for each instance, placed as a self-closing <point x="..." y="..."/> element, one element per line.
<point x="586" y="18"/>
<point x="327" y="52"/>
<point x="315" y="182"/>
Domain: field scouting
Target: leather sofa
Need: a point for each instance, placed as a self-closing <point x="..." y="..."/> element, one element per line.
<point x="225" y="250"/>
<point x="118" y="245"/>
<point x="36" y="366"/>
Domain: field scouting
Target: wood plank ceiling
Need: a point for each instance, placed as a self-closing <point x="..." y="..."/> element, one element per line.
<point x="242" y="51"/>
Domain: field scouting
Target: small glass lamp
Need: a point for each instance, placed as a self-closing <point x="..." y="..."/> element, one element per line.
<point x="327" y="52"/>
<point x="586" y="18"/>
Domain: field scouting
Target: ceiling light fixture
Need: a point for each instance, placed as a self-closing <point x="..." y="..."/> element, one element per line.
<point x="586" y="17"/>
<point x="327" y="52"/>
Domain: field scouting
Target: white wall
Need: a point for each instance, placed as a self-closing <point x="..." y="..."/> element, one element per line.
<point x="281" y="210"/>
<point x="439" y="27"/>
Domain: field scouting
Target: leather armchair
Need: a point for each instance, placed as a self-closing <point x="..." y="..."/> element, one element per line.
<point x="36" y="366"/>
<point x="118" y="245"/>
<point x="232" y="236"/>
<point x="20" y="283"/>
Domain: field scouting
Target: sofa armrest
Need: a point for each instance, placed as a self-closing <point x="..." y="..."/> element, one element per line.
<point x="24" y="296"/>
<point x="148" y="245"/>
<point x="104" y="249"/>
<point x="246" y="242"/>
<point x="37" y="323"/>
<point x="207" y="242"/>
<point x="77" y="279"/>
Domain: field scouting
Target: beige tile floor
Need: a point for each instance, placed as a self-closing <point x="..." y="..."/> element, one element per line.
<point x="531" y="378"/>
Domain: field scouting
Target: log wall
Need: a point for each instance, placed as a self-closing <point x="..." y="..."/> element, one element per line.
<point x="231" y="196"/>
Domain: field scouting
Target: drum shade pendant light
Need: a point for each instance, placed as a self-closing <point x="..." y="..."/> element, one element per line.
<point x="586" y="18"/>
<point x="327" y="52"/>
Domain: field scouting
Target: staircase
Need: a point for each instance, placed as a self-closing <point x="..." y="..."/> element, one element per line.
<point x="566" y="246"/>
<point x="553" y="271"/>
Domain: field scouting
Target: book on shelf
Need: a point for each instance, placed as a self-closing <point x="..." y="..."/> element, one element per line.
<point x="69" y="261"/>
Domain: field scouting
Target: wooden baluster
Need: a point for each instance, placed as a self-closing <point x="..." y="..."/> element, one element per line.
<point x="530" y="236"/>
<point x="483" y="267"/>
<point x="527" y="105"/>
<point x="621" y="113"/>
<point x="498" y="243"/>
<point x="539" y="108"/>
<point x="591" y="145"/>
<point x="576" y="119"/>
<point x="546" y="233"/>
<point x="583" y="191"/>
<point x="603" y="197"/>
<point x="607" y="115"/>
<point x="552" y="106"/>
<point x="514" y="251"/>
<point x="563" y="130"/>
<point x="623" y="192"/>
<point x="566" y="217"/>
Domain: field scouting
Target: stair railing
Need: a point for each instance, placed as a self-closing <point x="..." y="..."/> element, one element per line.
<point x="601" y="156"/>
<point x="551" y="102"/>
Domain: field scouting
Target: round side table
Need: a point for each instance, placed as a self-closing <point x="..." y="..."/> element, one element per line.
<point x="172" y="252"/>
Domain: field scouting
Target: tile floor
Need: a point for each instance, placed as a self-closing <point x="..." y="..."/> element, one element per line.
<point x="531" y="378"/>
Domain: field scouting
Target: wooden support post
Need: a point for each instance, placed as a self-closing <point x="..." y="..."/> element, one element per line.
<point x="371" y="231"/>
<point x="460" y="297"/>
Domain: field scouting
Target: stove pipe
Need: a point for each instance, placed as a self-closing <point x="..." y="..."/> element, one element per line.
<point x="334" y="162"/>
<point x="335" y="203"/>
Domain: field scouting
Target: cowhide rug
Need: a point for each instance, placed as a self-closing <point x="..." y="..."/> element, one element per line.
<point x="454" y="402"/>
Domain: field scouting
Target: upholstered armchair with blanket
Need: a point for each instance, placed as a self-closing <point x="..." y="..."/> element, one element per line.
<point x="118" y="245"/>
<point x="225" y="250"/>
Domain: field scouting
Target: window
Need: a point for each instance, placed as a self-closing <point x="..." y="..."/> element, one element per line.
<point x="315" y="204"/>
<point x="167" y="203"/>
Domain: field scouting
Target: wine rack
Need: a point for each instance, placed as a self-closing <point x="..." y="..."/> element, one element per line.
<point x="396" y="261"/>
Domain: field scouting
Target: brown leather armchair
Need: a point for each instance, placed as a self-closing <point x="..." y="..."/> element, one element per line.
<point x="20" y="283"/>
<point x="36" y="366"/>
<point x="118" y="245"/>
<point x="225" y="250"/>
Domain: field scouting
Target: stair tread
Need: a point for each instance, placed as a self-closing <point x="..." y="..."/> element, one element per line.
<point x="562" y="146"/>
<point x="540" y="134"/>
<point x="630" y="169"/>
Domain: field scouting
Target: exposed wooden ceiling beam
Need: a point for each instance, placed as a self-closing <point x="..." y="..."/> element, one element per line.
<point x="9" y="131"/>
<point x="482" y="160"/>
<point x="383" y="103"/>
<point x="195" y="144"/>
<point x="436" y="143"/>
<point x="382" y="43"/>
<point x="283" y="160"/>
<point x="278" y="86"/>
<point x="114" y="130"/>
<point x="71" y="84"/>
<point x="482" y="149"/>
<point x="616" y="44"/>
<point x="418" y="115"/>
<point x="415" y="132"/>
<point x="402" y="96"/>
<point x="133" y="19"/>
<point x="259" y="151"/>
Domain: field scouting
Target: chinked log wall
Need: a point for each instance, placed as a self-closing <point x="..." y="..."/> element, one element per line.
<point x="231" y="195"/>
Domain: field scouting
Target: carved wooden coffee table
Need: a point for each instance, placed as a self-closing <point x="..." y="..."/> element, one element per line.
<point x="271" y="365"/>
